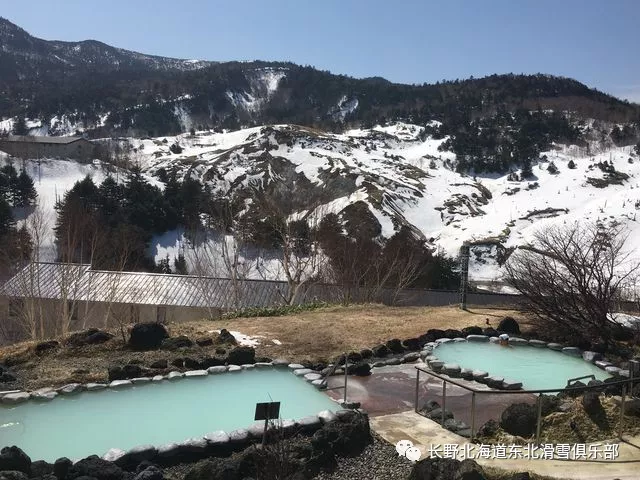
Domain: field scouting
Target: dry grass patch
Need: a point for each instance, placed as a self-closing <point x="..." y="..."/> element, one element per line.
<point x="311" y="335"/>
<point x="330" y="331"/>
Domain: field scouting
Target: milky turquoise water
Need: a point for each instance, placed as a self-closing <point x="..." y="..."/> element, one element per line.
<point x="536" y="368"/>
<point x="154" y="413"/>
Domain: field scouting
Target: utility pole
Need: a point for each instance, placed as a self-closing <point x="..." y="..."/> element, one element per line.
<point x="464" y="274"/>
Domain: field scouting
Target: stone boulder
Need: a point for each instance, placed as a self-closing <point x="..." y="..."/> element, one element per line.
<point x="92" y="336"/>
<point x="412" y="344"/>
<point x="94" y="467"/>
<point x="354" y="357"/>
<point x="366" y="353"/>
<point x="241" y="356"/>
<point x="509" y="325"/>
<point x="147" y="336"/>
<point x="160" y="364"/>
<point x="149" y="472"/>
<point x="361" y="369"/>
<point x="591" y="404"/>
<point x="226" y="337"/>
<point x="519" y="419"/>
<point x="12" y="458"/>
<point x="61" y="466"/>
<point x="434" y="334"/>
<point x="43" y="347"/>
<point x="204" y="341"/>
<point x="173" y="343"/>
<point x="395" y="345"/>
<point x="452" y="333"/>
<point x="472" y="331"/>
<point x="488" y="429"/>
<point x="446" y="469"/>
<point x="40" y="468"/>
<point x="346" y="436"/>
<point x="381" y="351"/>
<point x="13" y="475"/>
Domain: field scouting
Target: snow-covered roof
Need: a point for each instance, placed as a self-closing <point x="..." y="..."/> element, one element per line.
<point x="79" y="282"/>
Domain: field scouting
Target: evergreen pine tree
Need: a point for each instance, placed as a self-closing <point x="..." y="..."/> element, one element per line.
<point x="26" y="191"/>
<point x="7" y="222"/>
<point x="180" y="265"/>
<point x="20" y="126"/>
<point x="526" y="172"/>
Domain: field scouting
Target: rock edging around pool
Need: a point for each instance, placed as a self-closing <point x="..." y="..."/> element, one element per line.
<point x="346" y="432"/>
<point x="15" y="397"/>
<point x="500" y="383"/>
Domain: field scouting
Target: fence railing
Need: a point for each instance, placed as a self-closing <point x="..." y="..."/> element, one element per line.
<point x="626" y="385"/>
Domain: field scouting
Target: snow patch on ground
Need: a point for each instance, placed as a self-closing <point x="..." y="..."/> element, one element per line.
<point x="242" y="339"/>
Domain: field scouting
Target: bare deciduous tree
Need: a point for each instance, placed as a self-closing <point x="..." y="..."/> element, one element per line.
<point x="574" y="275"/>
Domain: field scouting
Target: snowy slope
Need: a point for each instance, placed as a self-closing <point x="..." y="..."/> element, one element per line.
<point x="405" y="180"/>
<point x="402" y="178"/>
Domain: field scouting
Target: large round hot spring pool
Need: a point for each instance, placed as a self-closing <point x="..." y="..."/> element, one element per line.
<point x="537" y="368"/>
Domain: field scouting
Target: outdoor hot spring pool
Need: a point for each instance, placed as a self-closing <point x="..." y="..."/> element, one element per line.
<point x="155" y="413"/>
<point x="536" y="368"/>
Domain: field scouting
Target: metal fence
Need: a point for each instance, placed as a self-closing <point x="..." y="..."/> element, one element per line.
<point x="625" y="384"/>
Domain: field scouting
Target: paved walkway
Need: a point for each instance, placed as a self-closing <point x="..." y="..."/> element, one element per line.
<point x="424" y="433"/>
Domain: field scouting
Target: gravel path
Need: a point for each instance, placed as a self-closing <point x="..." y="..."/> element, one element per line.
<point x="379" y="461"/>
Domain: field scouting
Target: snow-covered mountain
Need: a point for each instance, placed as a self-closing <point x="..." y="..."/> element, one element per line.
<point x="105" y="91"/>
<point x="401" y="177"/>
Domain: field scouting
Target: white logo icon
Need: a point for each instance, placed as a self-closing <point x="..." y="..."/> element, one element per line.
<point x="405" y="448"/>
<point x="413" y="454"/>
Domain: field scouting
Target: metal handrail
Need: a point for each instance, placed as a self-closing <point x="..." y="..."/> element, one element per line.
<point x="624" y="383"/>
<point x="592" y="377"/>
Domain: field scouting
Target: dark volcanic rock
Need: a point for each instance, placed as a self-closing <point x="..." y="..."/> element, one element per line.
<point x="361" y="369"/>
<point x="13" y="475"/>
<point x="490" y="332"/>
<point x="61" y="466"/>
<point x="366" y="353"/>
<point x="412" y="344"/>
<point x="452" y="333"/>
<point x="380" y="351"/>
<point x="226" y="337"/>
<point x="192" y="364"/>
<point x="509" y="325"/>
<point x="160" y="364"/>
<point x="92" y="336"/>
<point x="95" y="467"/>
<point x="354" y="357"/>
<point x="40" y="468"/>
<point x="591" y="404"/>
<point x="241" y="356"/>
<point x="488" y="429"/>
<point x="12" y="458"/>
<point x="43" y="347"/>
<point x="395" y="345"/>
<point x="151" y="472"/>
<point x="519" y="419"/>
<point x="147" y="336"/>
<point x="204" y="342"/>
<point x="472" y="331"/>
<point x="173" y="343"/>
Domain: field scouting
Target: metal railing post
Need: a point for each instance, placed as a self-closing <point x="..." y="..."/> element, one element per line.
<point x="417" y="387"/>
<point x="473" y="415"/>
<point x="622" y="400"/>
<point x="346" y="368"/>
<point x="444" y="399"/>
<point x="538" y="418"/>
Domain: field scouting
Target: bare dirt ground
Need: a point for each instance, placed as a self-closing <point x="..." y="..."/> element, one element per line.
<point x="313" y="335"/>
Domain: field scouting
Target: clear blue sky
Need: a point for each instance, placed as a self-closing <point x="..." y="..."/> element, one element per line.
<point x="596" y="42"/>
